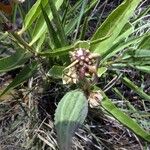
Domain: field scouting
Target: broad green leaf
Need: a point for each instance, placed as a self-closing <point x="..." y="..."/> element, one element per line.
<point x="13" y="61"/>
<point x="56" y="72"/>
<point x="66" y="49"/>
<point x="41" y="24"/>
<point x="113" y="25"/>
<point x="135" y="88"/>
<point x="70" y="114"/>
<point x="125" y="32"/>
<point x="23" y="76"/>
<point x="124" y="119"/>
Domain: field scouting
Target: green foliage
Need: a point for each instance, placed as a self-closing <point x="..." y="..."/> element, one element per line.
<point x="56" y="72"/>
<point x="70" y="114"/>
<point x="113" y="25"/>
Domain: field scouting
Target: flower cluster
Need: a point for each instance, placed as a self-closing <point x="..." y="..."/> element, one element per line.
<point x="83" y="64"/>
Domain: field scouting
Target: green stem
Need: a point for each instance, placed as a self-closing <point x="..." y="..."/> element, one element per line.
<point x="22" y="42"/>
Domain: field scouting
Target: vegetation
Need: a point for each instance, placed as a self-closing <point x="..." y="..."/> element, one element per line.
<point x="65" y="77"/>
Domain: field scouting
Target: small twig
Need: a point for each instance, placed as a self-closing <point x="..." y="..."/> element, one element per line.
<point x="30" y="83"/>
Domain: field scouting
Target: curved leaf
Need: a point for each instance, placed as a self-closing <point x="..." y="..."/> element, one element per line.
<point x="57" y="52"/>
<point x="70" y="113"/>
<point x="13" y="61"/>
<point x="144" y="44"/>
<point x="113" y="25"/>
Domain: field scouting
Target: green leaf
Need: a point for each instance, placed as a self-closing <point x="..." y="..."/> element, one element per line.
<point x="82" y="44"/>
<point x="120" y="46"/>
<point x="124" y="119"/>
<point x="101" y="71"/>
<point x="125" y="32"/>
<point x="84" y="3"/>
<point x="57" y="22"/>
<point x="136" y="89"/>
<point x="53" y="34"/>
<point x="64" y="50"/>
<point x="138" y="53"/>
<point x="57" y="52"/>
<point x="56" y="72"/>
<point x="113" y="25"/>
<point x="33" y="14"/>
<point x="144" y="44"/>
<point x="41" y="24"/>
<point x="40" y="43"/>
<point x="14" y="61"/>
<point x="23" y="76"/>
<point x="70" y="114"/>
<point x="145" y="69"/>
<point x="70" y="27"/>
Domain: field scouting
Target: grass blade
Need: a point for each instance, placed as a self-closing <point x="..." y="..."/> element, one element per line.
<point x="41" y="26"/>
<point x="58" y="23"/>
<point x="25" y="74"/>
<point x="135" y="88"/>
<point x="124" y="119"/>
<point x="80" y="17"/>
<point x="52" y="32"/>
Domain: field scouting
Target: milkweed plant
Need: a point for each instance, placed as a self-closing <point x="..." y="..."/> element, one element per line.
<point x="54" y="32"/>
